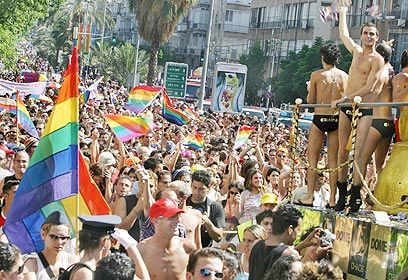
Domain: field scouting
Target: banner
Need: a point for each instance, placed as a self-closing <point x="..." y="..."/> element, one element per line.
<point x="37" y="88"/>
<point x="380" y="238"/>
<point x="359" y="249"/>
<point x="341" y="246"/>
<point x="397" y="254"/>
<point x="229" y="87"/>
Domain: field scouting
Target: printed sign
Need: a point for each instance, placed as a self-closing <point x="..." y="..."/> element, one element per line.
<point x="229" y="87"/>
<point x="341" y="246"/>
<point x="378" y="252"/>
<point x="175" y="79"/>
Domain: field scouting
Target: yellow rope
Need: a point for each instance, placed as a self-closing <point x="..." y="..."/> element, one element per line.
<point x="321" y="170"/>
<point x="293" y="143"/>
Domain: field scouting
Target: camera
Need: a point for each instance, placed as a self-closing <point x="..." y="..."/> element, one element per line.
<point x="327" y="238"/>
<point x="201" y="208"/>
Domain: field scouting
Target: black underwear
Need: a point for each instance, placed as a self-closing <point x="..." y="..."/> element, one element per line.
<point x="385" y="127"/>
<point x="326" y="123"/>
<point x="349" y="112"/>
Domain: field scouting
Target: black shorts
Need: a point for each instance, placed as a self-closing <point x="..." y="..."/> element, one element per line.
<point x="326" y="123"/>
<point x="349" y="112"/>
<point x="385" y="127"/>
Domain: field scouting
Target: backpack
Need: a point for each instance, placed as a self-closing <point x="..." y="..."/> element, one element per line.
<point x="65" y="274"/>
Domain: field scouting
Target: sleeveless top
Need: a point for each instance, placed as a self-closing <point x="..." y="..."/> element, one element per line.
<point x="41" y="272"/>
<point x="134" y="231"/>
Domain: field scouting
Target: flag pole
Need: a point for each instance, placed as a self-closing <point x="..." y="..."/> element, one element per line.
<point x="17" y="128"/>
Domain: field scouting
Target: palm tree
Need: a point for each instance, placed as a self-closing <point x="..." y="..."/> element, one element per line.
<point x="157" y="20"/>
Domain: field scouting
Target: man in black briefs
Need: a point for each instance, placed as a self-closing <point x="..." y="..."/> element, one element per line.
<point x="364" y="74"/>
<point x="326" y="85"/>
<point x="382" y="128"/>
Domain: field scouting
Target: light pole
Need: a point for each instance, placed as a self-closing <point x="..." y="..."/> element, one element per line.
<point x="206" y="56"/>
<point x="136" y="58"/>
<point x="103" y="24"/>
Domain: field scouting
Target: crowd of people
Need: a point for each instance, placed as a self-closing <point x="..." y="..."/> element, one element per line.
<point x="175" y="211"/>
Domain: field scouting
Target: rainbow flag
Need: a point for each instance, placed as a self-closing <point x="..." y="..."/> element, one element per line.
<point x="194" y="141"/>
<point x="242" y="136"/>
<point x="141" y="97"/>
<point x="91" y="91"/>
<point x="191" y="113"/>
<point x="23" y="118"/>
<point x="8" y="104"/>
<point x="41" y="97"/>
<point x="56" y="170"/>
<point x="172" y="114"/>
<point x="127" y="128"/>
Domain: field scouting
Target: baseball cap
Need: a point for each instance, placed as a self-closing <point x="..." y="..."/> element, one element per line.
<point x="164" y="207"/>
<point x="269" y="198"/>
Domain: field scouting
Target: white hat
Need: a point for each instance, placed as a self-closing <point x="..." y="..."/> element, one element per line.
<point x="106" y="159"/>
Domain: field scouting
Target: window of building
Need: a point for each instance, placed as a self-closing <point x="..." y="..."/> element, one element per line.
<point x="229" y="15"/>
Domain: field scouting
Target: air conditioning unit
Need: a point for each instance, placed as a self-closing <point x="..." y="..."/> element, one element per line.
<point x="304" y="24"/>
<point x="401" y="22"/>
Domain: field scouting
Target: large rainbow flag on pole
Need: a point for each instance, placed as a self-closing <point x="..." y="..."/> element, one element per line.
<point x="141" y="97"/>
<point x="243" y="135"/>
<point x="172" y="114"/>
<point x="127" y="128"/>
<point x="23" y="118"/>
<point x="56" y="170"/>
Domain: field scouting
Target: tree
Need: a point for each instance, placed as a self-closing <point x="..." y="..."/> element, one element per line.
<point x="116" y="62"/>
<point x="157" y="20"/>
<point x="55" y="33"/>
<point x="290" y="83"/>
<point x="255" y="60"/>
<point x="16" y="17"/>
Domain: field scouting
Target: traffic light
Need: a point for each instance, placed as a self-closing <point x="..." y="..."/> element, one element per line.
<point x="114" y="39"/>
<point x="202" y="55"/>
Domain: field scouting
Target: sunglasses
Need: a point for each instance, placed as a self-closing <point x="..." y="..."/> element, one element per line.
<point x="207" y="272"/>
<point x="233" y="193"/>
<point x="56" y="237"/>
<point x="19" y="270"/>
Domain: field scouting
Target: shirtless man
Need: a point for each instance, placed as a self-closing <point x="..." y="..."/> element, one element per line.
<point x="326" y="85"/>
<point x="364" y="73"/>
<point x="165" y="254"/>
<point x="400" y="94"/>
<point x="191" y="218"/>
<point x="382" y="127"/>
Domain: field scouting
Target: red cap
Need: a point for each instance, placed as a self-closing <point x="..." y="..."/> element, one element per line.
<point x="164" y="207"/>
<point x="6" y="150"/>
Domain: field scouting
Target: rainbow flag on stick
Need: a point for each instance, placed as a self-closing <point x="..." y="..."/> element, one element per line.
<point x="57" y="178"/>
<point x="23" y="118"/>
<point x="8" y="104"/>
<point x="172" y="114"/>
<point x="243" y="135"/>
<point x="127" y="128"/>
<point x="191" y="113"/>
<point x="194" y="141"/>
<point x="141" y="97"/>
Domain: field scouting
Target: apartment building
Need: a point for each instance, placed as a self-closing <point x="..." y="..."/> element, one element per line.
<point x="287" y="25"/>
<point x="125" y="28"/>
<point x="229" y="32"/>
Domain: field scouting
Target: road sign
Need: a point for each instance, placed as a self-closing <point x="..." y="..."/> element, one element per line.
<point x="175" y="79"/>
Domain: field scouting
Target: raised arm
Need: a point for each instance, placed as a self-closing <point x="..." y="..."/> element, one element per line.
<point x="344" y="33"/>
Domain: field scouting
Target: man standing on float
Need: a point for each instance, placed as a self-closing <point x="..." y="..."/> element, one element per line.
<point x="364" y="74"/>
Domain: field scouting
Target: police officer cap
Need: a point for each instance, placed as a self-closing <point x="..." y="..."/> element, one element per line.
<point x="103" y="224"/>
<point x="57" y="218"/>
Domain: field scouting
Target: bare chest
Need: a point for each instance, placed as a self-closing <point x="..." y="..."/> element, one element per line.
<point x="166" y="264"/>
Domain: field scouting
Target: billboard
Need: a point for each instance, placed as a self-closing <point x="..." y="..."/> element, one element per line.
<point x="229" y="87"/>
